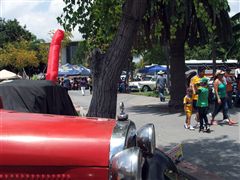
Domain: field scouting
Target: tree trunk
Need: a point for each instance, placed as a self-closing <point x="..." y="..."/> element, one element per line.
<point x="177" y="71"/>
<point x="214" y="61"/>
<point x="167" y="56"/>
<point x="213" y="56"/>
<point x="107" y="68"/>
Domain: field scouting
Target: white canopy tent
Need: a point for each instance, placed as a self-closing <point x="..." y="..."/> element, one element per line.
<point x="5" y="75"/>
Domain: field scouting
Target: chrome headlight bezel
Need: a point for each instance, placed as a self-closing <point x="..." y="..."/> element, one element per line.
<point x="146" y="139"/>
<point x="129" y="148"/>
<point x="127" y="164"/>
<point x="123" y="136"/>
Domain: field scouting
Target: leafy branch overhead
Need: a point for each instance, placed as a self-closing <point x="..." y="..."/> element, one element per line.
<point x="98" y="20"/>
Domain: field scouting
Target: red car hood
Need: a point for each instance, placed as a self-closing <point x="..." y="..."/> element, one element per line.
<point x="52" y="140"/>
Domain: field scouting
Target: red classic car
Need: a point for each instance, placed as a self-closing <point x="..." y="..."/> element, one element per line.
<point x="49" y="146"/>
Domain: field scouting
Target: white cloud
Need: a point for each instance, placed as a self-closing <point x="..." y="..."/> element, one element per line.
<point x="38" y="15"/>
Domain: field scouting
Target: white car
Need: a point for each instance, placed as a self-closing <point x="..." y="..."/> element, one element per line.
<point x="148" y="84"/>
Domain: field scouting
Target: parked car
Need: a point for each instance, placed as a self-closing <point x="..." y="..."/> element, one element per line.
<point x="147" y="84"/>
<point x="48" y="146"/>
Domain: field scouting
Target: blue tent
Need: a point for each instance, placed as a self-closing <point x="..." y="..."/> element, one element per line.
<point x="73" y="70"/>
<point x="68" y="70"/>
<point x="153" y="69"/>
<point x="83" y="70"/>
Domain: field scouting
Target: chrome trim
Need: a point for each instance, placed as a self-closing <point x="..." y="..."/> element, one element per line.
<point x="127" y="164"/>
<point x="122" y="116"/>
<point x="123" y="136"/>
<point x="146" y="139"/>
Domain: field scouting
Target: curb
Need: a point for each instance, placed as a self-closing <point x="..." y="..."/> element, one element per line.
<point x="194" y="172"/>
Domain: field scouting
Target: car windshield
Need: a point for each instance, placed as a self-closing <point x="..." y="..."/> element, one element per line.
<point x="146" y="78"/>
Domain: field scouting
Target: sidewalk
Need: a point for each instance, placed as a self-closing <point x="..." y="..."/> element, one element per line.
<point x="219" y="151"/>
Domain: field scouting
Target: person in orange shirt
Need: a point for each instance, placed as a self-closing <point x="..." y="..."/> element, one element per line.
<point x="229" y="81"/>
<point x="193" y="85"/>
<point x="188" y="106"/>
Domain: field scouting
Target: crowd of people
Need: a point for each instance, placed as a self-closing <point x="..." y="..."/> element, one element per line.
<point x="76" y="83"/>
<point x="197" y="98"/>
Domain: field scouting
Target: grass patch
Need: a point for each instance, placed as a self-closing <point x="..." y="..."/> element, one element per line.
<point x="150" y="94"/>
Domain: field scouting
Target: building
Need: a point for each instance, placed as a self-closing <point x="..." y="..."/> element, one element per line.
<point x="68" y="52"/>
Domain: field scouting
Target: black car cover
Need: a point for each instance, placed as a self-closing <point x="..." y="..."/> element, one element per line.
<point x="37" y="96"/>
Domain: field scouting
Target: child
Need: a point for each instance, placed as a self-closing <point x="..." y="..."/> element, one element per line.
<point x="187" y="101"/>
<point x="202" y="104"/>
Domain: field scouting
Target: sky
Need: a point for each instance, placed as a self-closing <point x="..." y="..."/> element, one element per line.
<point x="39" y="16"/>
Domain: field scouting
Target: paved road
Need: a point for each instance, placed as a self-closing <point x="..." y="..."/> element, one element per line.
<point x="218" y="151"/>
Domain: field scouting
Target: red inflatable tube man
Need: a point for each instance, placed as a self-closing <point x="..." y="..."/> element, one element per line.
<point x="53" y="56"/>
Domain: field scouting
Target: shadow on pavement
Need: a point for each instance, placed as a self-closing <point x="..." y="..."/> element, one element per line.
<point x="163" y="109"/>
<point x="157" y="109"/>
<point x="218" y="155"/>
<point x="234" y="110"/>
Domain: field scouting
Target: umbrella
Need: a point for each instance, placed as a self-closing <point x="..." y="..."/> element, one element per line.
<point x="153" y="69"/>
<point x="4" y="74"/>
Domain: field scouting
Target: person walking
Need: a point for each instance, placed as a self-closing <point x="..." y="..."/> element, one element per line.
<point x="194" y="81"/>
<point x="221" y="98"/>
<point x="187" y="101"/>
<point x="161" y="84"/>
<point x="83" y="84"/>
<point x="66" y="83"/>
<point x="90" y="83"/>
<point x="202" y="104"/>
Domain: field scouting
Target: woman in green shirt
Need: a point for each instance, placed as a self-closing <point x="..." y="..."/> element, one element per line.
<point x="220" y="90"/>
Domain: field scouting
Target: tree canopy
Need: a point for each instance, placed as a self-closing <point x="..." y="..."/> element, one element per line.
<point x="82" y="53"/>
<point x="12" y="31"/>
<point x="233" y="50"/>
<point x="98" y="20"/>
<point x="18" y="54"/>
<point x="19" y="48"/>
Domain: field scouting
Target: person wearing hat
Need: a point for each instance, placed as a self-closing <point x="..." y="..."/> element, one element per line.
<point x="202" y="104"/>
<point x="194" y="81"/>
<point x="160" y="85"/>
<point x="220" y="89"/>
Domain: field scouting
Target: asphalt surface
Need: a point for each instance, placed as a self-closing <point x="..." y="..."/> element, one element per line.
<point x="218" y="151"/>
